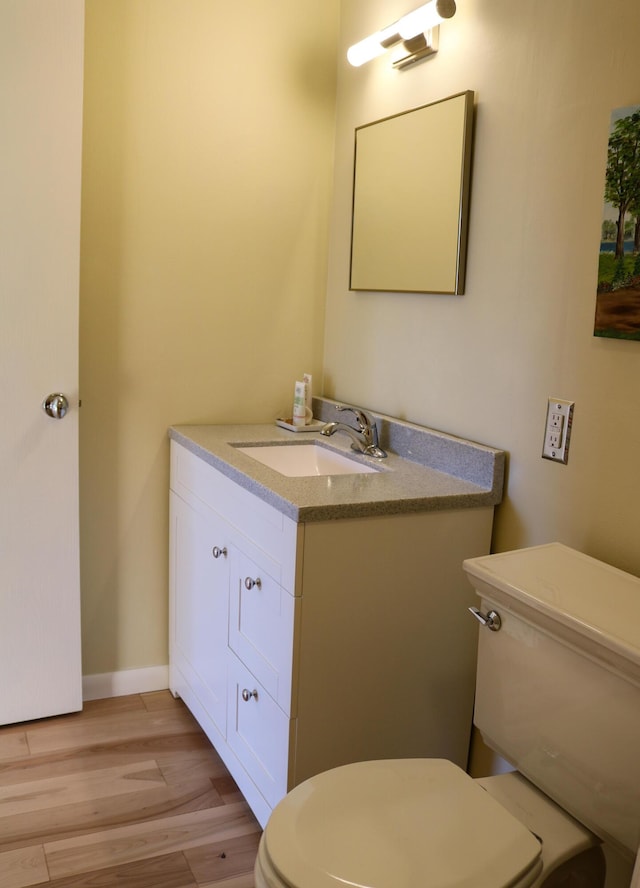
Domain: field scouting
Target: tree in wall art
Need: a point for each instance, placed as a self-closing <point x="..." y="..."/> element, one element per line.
<point x="618" y="297"/>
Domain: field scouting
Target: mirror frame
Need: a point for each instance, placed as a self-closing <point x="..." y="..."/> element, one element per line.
<point x="400" y="212"/>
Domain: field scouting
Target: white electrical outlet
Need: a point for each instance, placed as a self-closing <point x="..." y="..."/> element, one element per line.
<point x="557" y="430"/>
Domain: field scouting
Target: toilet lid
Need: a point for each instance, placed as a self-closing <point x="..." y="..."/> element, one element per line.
<point x="396" y="824"/>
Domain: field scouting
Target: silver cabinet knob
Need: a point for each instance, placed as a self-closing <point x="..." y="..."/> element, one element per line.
<point x="249" y="583"/>
<point x="491" y="620"/>
<point x="219" y="552"/>
<point x="247" y="694"/>
<point x="55" y="405"/>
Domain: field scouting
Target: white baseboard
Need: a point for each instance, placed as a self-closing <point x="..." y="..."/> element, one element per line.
<point x="128" y="681"/>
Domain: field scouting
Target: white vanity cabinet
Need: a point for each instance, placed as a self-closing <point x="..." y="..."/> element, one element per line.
<point x="232" y="613"/>
<point x="303" y="646"/>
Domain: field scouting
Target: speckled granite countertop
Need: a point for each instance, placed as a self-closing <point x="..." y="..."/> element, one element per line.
<point x="425" y="470"/>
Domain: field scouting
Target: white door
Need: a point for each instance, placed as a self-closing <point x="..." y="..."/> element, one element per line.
<point x="41" y="62"/>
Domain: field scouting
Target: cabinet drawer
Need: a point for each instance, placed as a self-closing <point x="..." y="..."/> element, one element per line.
<point x="261" y="621"/>
<point x="258" y="732"/>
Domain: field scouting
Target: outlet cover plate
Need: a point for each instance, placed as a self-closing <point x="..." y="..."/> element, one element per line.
<point x="557" y="430"/>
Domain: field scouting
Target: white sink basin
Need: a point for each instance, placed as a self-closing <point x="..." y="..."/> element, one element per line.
<point x="305" y="459"/>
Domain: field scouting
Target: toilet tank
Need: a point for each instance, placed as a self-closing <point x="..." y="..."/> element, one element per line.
<point x="558" y="685"/>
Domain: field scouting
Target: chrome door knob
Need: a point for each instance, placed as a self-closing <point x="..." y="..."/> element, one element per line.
<point x="249" y="583"/>
<point x="247" y="694"/>
<point x="55" y="405"/>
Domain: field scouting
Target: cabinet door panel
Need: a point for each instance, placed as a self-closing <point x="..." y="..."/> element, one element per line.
<point x="258" y="732"/>
<point x="261" y="616"/>
<point x="200" y="612"/>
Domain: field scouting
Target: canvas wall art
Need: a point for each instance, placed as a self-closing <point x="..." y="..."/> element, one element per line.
<point x="618" y="294"/>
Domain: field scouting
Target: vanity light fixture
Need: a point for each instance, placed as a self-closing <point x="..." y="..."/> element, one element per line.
<point x="414" y="36"/>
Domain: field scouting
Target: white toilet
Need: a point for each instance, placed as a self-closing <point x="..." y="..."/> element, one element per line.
<point x="557" y="695"/>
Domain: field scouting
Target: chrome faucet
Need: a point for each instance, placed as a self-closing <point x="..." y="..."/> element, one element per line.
<point x="364" y="438"/>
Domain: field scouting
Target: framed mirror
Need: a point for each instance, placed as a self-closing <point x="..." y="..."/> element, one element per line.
<point x="411" y="189"/>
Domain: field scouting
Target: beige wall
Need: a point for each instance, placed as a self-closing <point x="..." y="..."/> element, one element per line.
<point x="206" y="185"/>
<point x="482" y="365"/>
<point x="207" y="167"/>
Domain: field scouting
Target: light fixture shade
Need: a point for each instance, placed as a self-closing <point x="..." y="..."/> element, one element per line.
<point x="425" y="17"/>
<point x="364" y="51"/>
<point x="372" y="46"/>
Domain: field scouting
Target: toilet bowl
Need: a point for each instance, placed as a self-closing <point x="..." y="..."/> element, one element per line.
<point x="422" y="822"/>
<point x="557" y="695"/>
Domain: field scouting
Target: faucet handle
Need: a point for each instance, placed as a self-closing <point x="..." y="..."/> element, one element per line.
<point x="365" y="438"/>
<point x="364" y="421"/>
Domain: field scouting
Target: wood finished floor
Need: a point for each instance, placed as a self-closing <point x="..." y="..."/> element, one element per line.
<point x="127" y="793"/>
